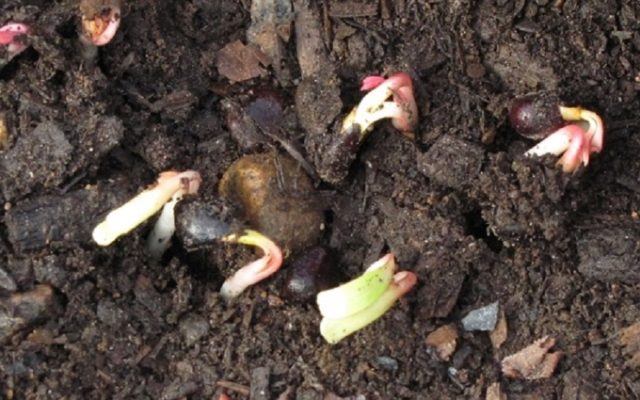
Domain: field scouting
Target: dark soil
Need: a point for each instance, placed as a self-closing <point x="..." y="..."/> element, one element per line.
<point x="459" y="205"/>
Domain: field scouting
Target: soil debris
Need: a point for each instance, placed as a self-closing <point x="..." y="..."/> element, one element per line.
<point x="499" y="335"/>
<point x="239" y="62"/>
<point x="451" y="162"/>
<point x="494" y="392"/>
<point x="533" y="362"/>
<point x="630" y="340"/>
<point x="610" y="254"/>
<point x="22" y="310"/>
<point x="443" y="340"/>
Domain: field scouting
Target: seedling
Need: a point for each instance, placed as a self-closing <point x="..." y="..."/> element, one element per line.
<point x="572" y="132"/>
<point x="255" y="271"/>
<point x="386" y="98"/>
<point x="100" y="20"/>
<point x="11" y="36"/>
<point x="375" y="105"/>
<point x="356" y="304"/>
<point x="140" y="208"/>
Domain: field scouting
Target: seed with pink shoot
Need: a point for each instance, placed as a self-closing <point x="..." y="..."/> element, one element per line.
<point x="255" y="271"/>
<point x="570" y="132"/>
<point x="11" y="36"/>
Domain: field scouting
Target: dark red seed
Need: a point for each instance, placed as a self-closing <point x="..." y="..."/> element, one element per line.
<point x="536" y="116"/>
<point x="314" y="270"/>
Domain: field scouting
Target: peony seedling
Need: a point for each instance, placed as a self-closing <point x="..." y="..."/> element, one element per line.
<point x="100" y="20"/>
<point x="572" y="133"/>
<point x="356" y="304"/>
<point x="376" y="105"/>
<point x="124" y="219"/>
<point x="11" y="35"/>
<point x="255" y="271"/>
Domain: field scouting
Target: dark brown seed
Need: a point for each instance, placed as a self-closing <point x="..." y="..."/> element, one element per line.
<point x="535" y="117"/>
<point x="314" y="270"/>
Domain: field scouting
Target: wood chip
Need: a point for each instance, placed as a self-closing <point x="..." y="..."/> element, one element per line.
<point x="499" y="335"/>
<point x="494" y="392"/>
<point x="350" y="9"/>
<point x="630" y="340"/>
<point x="238" y="62"/>
<point x="444" y="340"/>
<point x="533" y="362"/>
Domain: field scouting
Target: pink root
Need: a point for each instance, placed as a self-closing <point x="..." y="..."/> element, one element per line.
<point x="9" y="33"/>
<point x="255" y="271"/>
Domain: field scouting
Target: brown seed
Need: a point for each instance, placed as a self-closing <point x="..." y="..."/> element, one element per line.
<point x="276" y="197"/>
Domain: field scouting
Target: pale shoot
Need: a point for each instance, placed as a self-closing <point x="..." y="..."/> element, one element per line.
<point x="360" y="293"/>
<point x="356" y="304"/>
<point x="140" y="208"/>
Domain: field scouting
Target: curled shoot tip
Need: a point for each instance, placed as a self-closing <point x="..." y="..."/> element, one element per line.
<point x="255" y="271"/>
<point x="375" y="105"/>
<point x="125" y="218"/>
<point x="335" y="326"/>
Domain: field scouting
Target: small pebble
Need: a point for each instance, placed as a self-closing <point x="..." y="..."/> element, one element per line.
<point x="481" y="319"/>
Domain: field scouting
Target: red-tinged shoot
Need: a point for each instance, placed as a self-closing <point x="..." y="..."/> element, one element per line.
<point x="124" y="219"/>
<point x="255" y="271"/>
<point x="572" y="133"/>
<point x="11" y="35"/>
<point x="386" y="98"/>
<point x="100" y="20"/>
<point x="356" y="304"/>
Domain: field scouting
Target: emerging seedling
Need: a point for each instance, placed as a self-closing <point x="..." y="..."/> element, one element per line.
<point x="390" y="98"/>
<point x="140" y="208"/>
<point x="375" y="105"/>
<point x="100" y="20"/>
<point x="355" y="304"/>
<point x="255" y="271"/>
<point x="572" y="132"/>
<point x="11" y="36"/>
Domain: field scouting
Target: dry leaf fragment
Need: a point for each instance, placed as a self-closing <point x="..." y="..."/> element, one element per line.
<point x="532" y="362"/>
<point x="630" y="340"/>
<point x="494" y="392"/>
<point x="499" y="334"/>
<point x="238" y="62"/>
<point x="444" y="340"/>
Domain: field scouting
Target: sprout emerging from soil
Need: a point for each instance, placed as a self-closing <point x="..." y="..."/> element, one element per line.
<point x="387" y="98"/>
<point x="100" y="20"/>
<point x="355" y="304"/>
<point x="10" y="36"/>
<point x="374" y="106"/>
<point x="140" y="208"/>
<point x="570" y="132"/>
<point x="255" y="271"/>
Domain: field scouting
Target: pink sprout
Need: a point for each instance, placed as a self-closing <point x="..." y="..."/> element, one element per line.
<point x="403" y="111"/>
<point x="8" y="35"/>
